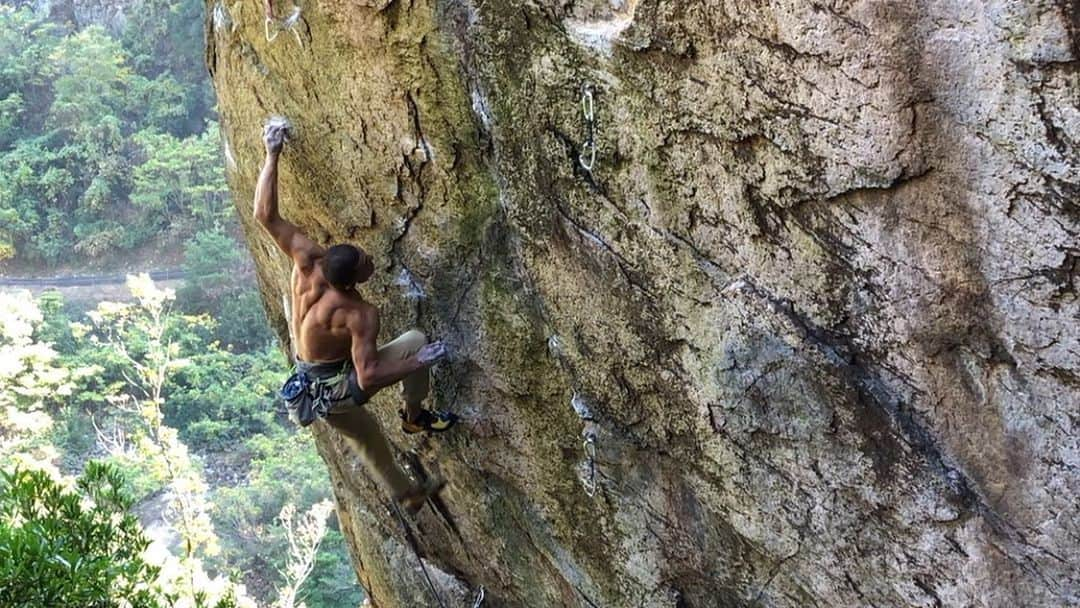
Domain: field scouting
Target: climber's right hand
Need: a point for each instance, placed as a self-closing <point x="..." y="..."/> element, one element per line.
<point x="431" y="353"/>
<point x="274" y="137"/>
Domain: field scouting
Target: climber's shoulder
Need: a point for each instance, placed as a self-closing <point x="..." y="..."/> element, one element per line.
<point x="290" y="239"/>
<point x="305" y="252"/>
<point x="362" y="318"/>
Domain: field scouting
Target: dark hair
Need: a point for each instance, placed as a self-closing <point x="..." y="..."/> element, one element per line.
<point x="341" y="265"/>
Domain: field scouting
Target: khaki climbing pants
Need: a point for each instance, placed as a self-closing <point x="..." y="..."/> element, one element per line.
<point x="415" y="386"/>
<point x="362" y="430"/>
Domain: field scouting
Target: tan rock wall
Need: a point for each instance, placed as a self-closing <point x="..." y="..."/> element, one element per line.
<point x="816" y="299"/>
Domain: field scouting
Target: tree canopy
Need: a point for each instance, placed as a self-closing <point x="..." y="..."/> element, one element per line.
<point x="107" y="142"/>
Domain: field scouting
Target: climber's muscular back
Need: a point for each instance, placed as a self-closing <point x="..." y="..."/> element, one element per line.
<point x="323" y="317"/>
<point x="325" y="321"/>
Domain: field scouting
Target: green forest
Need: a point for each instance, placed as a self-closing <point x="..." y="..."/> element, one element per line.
<point x="108" y="141"/>
<point x="146" y="458"/>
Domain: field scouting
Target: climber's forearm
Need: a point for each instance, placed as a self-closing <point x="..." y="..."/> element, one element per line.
<point x="266" y="195"/>
<point x="373" y="377"/>
<point x="371" y="372"/>
<point x="286" y="236"/>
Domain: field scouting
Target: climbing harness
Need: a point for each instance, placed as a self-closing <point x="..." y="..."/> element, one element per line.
<point x="315" y="389"/>
<point x="590" y="454"/>
<point x="273" y="27"/>
<point x="479" y="598"/>
<point x="588" y="149"/>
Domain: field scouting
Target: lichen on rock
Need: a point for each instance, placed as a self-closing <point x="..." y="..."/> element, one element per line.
<point x="817" y="293"/>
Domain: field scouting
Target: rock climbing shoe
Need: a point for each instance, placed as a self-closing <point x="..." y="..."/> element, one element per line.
<point x="428" y="421"/>
<point x="412" y="502"/>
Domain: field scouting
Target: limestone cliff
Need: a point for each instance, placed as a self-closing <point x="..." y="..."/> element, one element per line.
<point x="814" y="306"/>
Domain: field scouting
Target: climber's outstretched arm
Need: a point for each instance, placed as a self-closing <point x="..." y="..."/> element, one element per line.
<point x="269" y="8"/>
<point x="288" y="237"/>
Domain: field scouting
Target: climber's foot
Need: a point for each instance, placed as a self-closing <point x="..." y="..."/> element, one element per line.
<point x="414" y="501"/>
<point x="430" y="421"/>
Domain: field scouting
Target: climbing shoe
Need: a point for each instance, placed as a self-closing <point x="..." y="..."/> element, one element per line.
<point x="412" y="502"/>
<point x="428" y="421"/>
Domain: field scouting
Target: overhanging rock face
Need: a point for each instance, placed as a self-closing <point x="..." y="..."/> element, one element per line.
<point x="813" y="309"/>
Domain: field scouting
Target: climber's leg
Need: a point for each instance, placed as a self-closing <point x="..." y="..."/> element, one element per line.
<point x="364" y="433"/>
<point x="416" y="385"/>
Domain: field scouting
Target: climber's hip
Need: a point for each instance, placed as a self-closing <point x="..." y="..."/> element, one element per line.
<point x="316" y="390"/>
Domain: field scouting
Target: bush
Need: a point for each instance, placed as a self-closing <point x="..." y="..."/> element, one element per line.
<point x="55" y="328"/>
<point x="242" y="322"/>
<point x="333" y="580"/>
<point x="211" y="262"/>
<point x="62" y="548"/>
<point x="75" y="436"/>
<point x="138" y="472"/>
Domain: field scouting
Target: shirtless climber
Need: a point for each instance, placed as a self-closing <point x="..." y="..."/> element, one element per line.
<point x="339" y="367"/>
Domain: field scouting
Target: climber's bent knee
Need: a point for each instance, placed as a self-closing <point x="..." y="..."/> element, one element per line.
<point x="414" y="338"/>
<point x="405" y="345"/>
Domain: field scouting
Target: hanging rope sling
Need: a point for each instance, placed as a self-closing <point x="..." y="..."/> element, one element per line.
<point x="415" y="546"/>
<point x="410" y="461"/>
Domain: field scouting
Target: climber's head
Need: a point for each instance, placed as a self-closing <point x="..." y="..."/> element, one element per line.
<point x="345" y="266"/>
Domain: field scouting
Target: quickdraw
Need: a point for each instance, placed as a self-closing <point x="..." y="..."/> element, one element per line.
<point x="590" y="454"/>
<point x="588" y="149"/>
<point x="273" y="27"/>
<point x="479" y="598"/>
